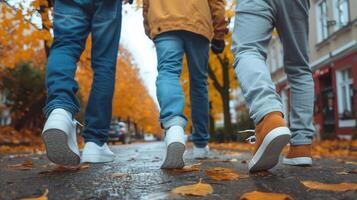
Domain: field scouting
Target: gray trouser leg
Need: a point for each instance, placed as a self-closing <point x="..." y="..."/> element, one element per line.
<point x="251" y="36"/>
<point x="254" y="23"/>
<point x="293" y="27"/>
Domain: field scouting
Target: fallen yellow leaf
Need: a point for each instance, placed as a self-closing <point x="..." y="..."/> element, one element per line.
<point x="221" y="174"/>
<point x="120" y="175"/>
<point x="340" y="187"/>
<point x="42" y="197"/>
<point x="262" y="173"/>
<point x="342" y="173"/>
<point x="26" y="165"/>
<point x="198" y="189"/>
<point x="255" y="195"/>
<point x="189" y="168"/>
<point x="351" y="163"/>
<point x="61" y="169"/>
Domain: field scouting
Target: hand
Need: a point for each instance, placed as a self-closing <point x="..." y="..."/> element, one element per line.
<point x="217" y="46"/>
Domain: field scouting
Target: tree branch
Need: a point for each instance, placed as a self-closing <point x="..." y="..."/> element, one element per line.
<point x="214" y="79"/>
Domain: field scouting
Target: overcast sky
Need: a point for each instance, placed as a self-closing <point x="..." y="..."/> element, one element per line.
<point x="141" y="47"/>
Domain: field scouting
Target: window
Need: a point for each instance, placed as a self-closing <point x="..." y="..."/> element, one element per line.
<point x="341" y="13"/>
<point x="345" y="98"/>
<point x="322" y="18"/>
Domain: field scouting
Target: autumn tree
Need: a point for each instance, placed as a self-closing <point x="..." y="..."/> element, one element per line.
<point x="221" y="83"/>
<point x="21" y="41"/>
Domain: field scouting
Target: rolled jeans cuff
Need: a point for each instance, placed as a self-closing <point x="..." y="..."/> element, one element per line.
<point x="301" y="140"/>
<point x="174" y="121"/>
<point x="54" y="105"/>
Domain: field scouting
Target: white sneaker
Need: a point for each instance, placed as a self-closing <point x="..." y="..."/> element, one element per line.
<point x="59" y="136"/>
<point x="200" y="153"/>
<point x="93" y="153"/>
<point x="175" y="148"/>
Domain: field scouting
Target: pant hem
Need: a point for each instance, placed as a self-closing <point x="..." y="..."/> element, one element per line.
<point x="174" y="121"/>
<point x="70" y="108"/>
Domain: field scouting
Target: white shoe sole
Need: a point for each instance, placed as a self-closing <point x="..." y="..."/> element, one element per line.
<point x="299" y="161"/>
<point x="97" y="158"/>
<point x="174" y="156"/>
<point x="267" y="155"/>
<point x="57" y="149"/>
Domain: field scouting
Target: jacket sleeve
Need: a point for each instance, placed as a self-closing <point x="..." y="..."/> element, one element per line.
<point x="145" y="15"/>
<point x="218" y="17"/>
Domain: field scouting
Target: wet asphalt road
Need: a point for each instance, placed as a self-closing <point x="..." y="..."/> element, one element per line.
<point x="143" y="179"/>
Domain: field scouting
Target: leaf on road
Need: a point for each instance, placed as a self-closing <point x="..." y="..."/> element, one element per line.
<point x="232" y="153"/>
<point x="340" y="187"/>
<point x="62" y="169"/>
<point x="189" y="168"/>
<point x="262" y="173"/>
<point x="221" y="174"/>
<point x="26" y="165"/>
<point x="342" y="173"/>
<point x="347" y="172"/>
<point x="120" y="175"/>
<point x="255" y="195"/>
<point x="42" y="197"/>
<point x="198" y="189"/>
<point x="350" y="162"/>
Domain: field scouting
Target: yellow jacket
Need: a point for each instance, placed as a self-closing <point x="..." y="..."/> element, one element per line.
<point x="203" y="17"/>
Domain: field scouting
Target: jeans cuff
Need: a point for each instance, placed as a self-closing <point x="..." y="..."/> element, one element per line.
<point x="300" y="141"/>
<point x="50" y="107"/>
<point x="174" y="121"/>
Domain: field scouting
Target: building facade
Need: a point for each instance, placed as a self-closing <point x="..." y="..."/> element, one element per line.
<point x="333" y="59"/>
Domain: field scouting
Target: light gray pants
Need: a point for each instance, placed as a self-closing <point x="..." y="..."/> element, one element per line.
<point x="254" y="23"/>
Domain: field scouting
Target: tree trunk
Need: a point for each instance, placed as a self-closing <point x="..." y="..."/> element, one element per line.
<point x="212" y="127"/>
<point x="226" y="99"/>
<point x="224" y="92"/>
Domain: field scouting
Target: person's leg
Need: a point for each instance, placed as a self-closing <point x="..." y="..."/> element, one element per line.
<point x="254" y="23"/>
<point x="106" y="27"/>
<point x="196" y="49"/>
<point x="293" y="30"/>
<point x="170" y="49"/>
<point x="71" y="27"/>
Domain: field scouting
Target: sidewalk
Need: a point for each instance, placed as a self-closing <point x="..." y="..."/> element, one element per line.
<point x="136" y="174"/>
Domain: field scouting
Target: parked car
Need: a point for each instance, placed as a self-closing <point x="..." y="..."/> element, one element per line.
<point x="149" y="137"/>
<point x="119" y="132"/>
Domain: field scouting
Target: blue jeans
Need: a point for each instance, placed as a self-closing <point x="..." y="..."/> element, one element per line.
<point x="170" y="48"/>
<point x="73" y="21"/>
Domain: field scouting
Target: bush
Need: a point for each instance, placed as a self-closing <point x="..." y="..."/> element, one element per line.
<point x="24" y="89"/>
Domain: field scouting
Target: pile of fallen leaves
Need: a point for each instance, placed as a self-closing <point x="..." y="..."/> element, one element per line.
<point x="25" y="141"/>
<point x="12" y="140"/>
<point x="324" y="148"/>
<point x="226" y="174"/>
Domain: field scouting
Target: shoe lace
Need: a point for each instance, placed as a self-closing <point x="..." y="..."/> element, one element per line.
<point x="78" y="123"/>
<point x="251" y="139"/>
